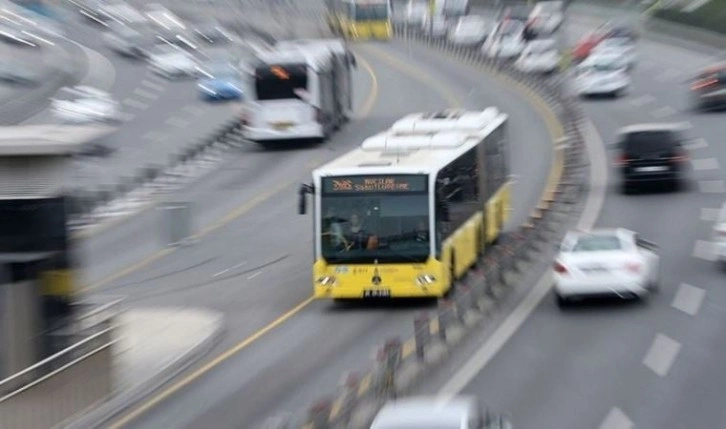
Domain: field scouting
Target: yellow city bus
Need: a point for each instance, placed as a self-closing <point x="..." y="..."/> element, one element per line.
<point x="413" y="208"/>
<point x="360" y="19"/>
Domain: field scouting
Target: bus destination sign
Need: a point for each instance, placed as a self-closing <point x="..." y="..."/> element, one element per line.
<point x="363" y="184"/>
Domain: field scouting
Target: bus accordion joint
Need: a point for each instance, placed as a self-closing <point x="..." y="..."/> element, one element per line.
<point x="305" y="189"/>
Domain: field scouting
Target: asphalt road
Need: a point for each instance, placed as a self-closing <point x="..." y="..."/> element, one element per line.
<point x="645" y="365"/>
<point x="256" y="267"/>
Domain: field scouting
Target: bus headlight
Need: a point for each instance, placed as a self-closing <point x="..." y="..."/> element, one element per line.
<point x="327" y="281"/>
<point x="425" y="280"/>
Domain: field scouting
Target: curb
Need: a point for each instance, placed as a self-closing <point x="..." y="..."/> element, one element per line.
<point x="399" y="365"/>
<point x="102" y="415"/>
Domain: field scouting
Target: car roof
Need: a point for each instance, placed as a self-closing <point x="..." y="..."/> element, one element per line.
<point x="430" y="410"/>
<point x="652" y="127"/>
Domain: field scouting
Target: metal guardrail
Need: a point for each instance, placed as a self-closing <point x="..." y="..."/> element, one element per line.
<point x="399" y="364"/>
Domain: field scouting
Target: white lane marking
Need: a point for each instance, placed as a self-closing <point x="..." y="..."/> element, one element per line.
<point x="662" y="354"/>
<point x="135" y="104"/>
<point x="688" y="299"/>
<point x="710" y="215"/>
<point x="252" y="276"/>
<point x="697" y="144"/>
<point x="616" y="419"/>
<point x="704" y="250"/>
<point x="177" y="122"/>
<point x="145" y="94"/>
<point x="593" y="207"/>
<point x="668" y="75"/>
<point x="712" y="186"/>
<point x="663" y="112"/>
<point x="221" y="272"/>
<point x="642" y="100"/>
<point x="705" y="164"/>
<point x="149" y="84"/>
<point x="193" y="110"/>
<point x="126" y="116"/>
<point x="153" y="135"/>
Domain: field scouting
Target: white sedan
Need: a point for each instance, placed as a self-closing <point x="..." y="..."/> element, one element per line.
<point x="622" y="47"/>
<point x="172" y="62"/>
<point x="505" y="41"/>
<point x="85" y="104"/>
<point x="605" y="262"/>
<point x="470" y="30"/>
<point x="539" y="56"/>
<point x="602" y="74"/>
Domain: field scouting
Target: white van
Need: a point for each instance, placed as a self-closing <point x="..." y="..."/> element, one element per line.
<point x="293" y="97"/>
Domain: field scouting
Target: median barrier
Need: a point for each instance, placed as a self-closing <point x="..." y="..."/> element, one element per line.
<point x="398" y="364"/>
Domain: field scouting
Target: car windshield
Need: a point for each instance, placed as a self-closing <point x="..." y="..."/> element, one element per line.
<point x="375" y="218"/>
<point x="597" y="243"/>
<point x="648" y="142"/>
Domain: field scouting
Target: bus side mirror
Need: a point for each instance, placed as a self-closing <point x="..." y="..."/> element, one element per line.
<point x="442" y="211"/>
<point x="302" y="201"/>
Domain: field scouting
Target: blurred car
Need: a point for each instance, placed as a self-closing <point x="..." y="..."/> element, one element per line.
<point x="519" y="12"/>
<point x="221" y="82"/>
<point x="505" y="41"/>
<point x="586" y="45"/>
<point x="546" y="17"/>
<point x="83" y="104"/>
<point x="602" y="75"/>
<point x="212" y="32"/>
<point x="605" y="262"/>
<point x="617" y="30"/>
<point x="469" y="30"/>
<point x="462" y="412"/>
<point x="539" y="56"/>
<point x="18" y="74"/>
<point x="708" y="89"/>
<point x="17" y="34"/>
<point x="416" y="12"/>
<point x="120" y="12"/>
<point x="618" y="46"/>
<point x="651" y="153"/>
<point x="91" y="11"/>
<point x="128" y="41"/>
<point x="719" y="237"/>
<point x="435" y="27"/>
<point x="172" y="62"/>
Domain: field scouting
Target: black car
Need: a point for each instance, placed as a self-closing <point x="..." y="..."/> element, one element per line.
<point x="709" y="88"/>
<point x="651" y="154"/>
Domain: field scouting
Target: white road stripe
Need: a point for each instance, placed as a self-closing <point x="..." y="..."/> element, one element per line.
<point x="177" y="122"/>
<point x="709" y="214"/>
<point x="153" y="135"/>
<point x="252" y="276"/>
<point x="697" y="144"/>
<point x="220" y="273"/>
<point x="616" y="419"/>
<point x="668" y="75"/>
<point x="688" y="299"/>
<point x="136" y="104"/>
<point x="642" y="100"/>
<point x="712" y="186"/>
<point x="704" y="250"/>
<point x="149" y="84"/>
<point x="705" y="164"/>
<point x="663" y="112"/>
<point x="662" y="354"/>
<point x="145" y="94"/>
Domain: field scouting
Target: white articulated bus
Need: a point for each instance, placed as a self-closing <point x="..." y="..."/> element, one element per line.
<point x="293" y="96"/>
<point x="343" y="64"/>
<point x="413" y="208"/>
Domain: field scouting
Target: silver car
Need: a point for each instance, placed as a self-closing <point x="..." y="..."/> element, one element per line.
<point x="462" y="412"/>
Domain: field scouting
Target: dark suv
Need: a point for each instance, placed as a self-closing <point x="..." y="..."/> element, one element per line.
<point x="651" y="154"/>
<point x="709" y="88"/>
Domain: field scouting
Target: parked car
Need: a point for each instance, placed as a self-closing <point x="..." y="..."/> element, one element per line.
<point x="539" y="56"/>
<point x="462" y="412"/>
<point x="505" y="41"/>
<point x="546" y="17"/>
<point x="469" y="31"/>
<point x="602" y="75"/>
<point x="172" y="62"/>
<point x="84" y="104"/>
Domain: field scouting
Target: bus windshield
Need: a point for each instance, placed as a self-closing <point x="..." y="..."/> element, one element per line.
<point x="371" y="12"/>
<point x="280" y="82"/>
<point x="361" y="224"/>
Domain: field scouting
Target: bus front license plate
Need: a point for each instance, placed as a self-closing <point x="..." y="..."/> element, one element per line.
<point x="377" y="293"/>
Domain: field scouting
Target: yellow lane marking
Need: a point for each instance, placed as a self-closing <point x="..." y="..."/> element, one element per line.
<point x="365" y="110"/>
<point x="204" y="369"/>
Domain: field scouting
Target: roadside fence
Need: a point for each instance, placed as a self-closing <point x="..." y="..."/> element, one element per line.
<point x="399" y="364"/>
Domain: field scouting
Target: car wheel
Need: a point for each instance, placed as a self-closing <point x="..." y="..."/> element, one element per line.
<point x="561" y="300"/>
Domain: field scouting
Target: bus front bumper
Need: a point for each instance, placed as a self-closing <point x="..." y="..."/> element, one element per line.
<point x="337" y="292"/>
